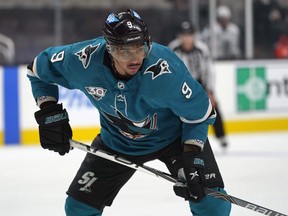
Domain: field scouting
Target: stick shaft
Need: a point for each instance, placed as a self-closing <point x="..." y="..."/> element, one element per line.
<point x="121" y="160"/>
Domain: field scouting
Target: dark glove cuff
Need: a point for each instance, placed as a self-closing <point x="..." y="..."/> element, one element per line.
<point x="47" y="104"/>
<point x="49" y="109"/>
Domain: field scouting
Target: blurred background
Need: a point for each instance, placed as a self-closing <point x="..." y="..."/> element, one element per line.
<point x="29" y="26"/>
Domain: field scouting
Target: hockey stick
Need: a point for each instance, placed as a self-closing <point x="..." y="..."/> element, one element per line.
<point x="163" y="175"/>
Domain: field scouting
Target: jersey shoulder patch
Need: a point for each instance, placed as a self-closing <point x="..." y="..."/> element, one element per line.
<point x="159" y="68"/>
<point x="85" y="54"/>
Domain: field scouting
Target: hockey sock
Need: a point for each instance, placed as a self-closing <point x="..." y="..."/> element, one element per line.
<point x="211" y="206"/>
<point x="74" y="207"/>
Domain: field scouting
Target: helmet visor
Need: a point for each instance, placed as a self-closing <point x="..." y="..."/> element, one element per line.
<point x="126" y="53"/>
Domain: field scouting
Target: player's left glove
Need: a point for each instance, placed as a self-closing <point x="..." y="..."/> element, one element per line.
<point x="190" y="185"/>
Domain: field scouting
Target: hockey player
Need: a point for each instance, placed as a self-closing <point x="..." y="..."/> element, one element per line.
<point x="196" y="56"/>
<point x="150" y="108"/>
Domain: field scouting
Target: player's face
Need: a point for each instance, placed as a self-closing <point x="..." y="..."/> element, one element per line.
<point x="129" y="58"/>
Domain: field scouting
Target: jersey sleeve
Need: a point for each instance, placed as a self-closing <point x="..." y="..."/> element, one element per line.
<point x="50" y="68"/>
<point x="191" y="103"/>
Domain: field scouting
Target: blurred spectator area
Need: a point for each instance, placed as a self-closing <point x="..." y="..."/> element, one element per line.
<point x="31" y="23"/>
<point x="270" y="25"/>
<point x="32" y="27"/>
<point x="7" y="49"/>
<point x="84" y="3"/>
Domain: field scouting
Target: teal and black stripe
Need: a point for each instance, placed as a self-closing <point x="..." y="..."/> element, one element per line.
<point x="11" y="106"/>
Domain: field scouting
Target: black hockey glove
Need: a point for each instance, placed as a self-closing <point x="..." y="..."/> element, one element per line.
<point x="54" y="128"/>
<point x="191" y="177"/>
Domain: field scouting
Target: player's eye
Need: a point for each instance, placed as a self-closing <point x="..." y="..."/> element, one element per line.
<point x="124" y="52"/>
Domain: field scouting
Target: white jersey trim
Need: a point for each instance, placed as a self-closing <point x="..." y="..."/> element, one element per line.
<point x="195" y="142"/>
<point x="209" y="110"/>
<point x="33" y="72"/>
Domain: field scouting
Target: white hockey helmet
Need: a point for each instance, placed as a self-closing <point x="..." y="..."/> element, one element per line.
<point x="224" y="12"/>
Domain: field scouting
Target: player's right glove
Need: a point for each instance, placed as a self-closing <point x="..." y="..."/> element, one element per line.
<point x="54" y="128"/>
<point x="191" y="177"/>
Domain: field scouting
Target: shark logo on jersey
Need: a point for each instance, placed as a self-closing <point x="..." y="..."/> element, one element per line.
<point x="85" y="54"/>
<point x="161" y="67"/>
<point x="97" y="92"/>
<point x="132" y="129"/>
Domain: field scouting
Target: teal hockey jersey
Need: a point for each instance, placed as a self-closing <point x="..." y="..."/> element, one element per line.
<point x="138" y="116"/>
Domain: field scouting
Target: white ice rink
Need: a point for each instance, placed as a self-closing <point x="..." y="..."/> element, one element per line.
<point x="33" y="181"/>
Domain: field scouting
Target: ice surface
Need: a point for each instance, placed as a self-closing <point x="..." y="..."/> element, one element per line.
<point x="33" y="181"/>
